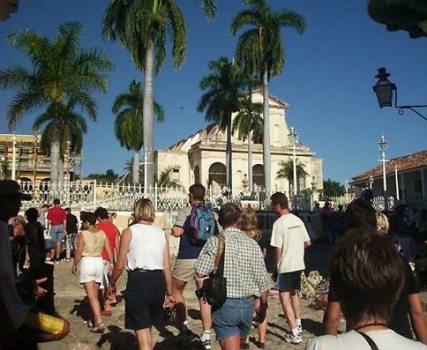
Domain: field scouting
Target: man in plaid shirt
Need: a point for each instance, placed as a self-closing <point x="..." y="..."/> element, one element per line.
<point x="246" y="275"/>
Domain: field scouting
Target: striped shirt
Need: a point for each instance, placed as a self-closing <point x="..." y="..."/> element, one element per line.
<point x="244" y="266"/>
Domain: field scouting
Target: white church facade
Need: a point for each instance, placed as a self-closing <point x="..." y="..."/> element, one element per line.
<point x="201" y="157"/>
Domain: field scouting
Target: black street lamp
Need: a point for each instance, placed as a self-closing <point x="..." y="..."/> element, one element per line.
<point x="384" y="90"/>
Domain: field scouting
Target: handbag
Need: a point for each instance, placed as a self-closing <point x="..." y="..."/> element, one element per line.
<point x="214" y="289"/>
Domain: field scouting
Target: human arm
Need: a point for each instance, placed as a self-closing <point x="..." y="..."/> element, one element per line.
<point x="307" y="244"/>
<point x="418" y="320"/>
<point x="107" y="247"/>
<point x="169" y="301"/>
<point x="121" y="257"/>
<point x="331" y="317"/>
<point x="78" y="253"/>
<point x="178" y="227"/>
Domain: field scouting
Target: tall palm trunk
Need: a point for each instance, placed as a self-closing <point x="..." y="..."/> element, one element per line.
<point x="229" y="152"/>
<point x="61" y="182"/>
<point x="148" y="116"/>
<point x="135" y="167"/>
<point x="266" y="136"/>
<point x="250" y="174"/>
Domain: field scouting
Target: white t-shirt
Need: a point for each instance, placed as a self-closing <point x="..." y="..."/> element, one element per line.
<point x="146" y="248"/>
<point x="384" y="339"/>
<point x="289" y="233"/>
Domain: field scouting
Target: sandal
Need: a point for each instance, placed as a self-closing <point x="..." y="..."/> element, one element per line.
<point x="260" y="345"/>
<point x="98" y="329"/>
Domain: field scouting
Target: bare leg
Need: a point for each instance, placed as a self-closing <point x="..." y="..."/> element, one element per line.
<point x="143" y="337"/>
<point x="205" y="310"/>
<point x="285" y="300"/>
<point x="296" y="305"/>
<point x="178" y="292"/>
<point x="231" y="343"/>
<point x="58" y="250"/>
<point x="92" y="290"/>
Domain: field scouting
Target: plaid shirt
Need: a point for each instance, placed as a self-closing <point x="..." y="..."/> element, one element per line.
<point x="244" y="266"/>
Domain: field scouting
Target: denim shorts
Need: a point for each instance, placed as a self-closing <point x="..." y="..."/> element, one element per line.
<point x="57" y="233"/>
<point x="234" y="317"/>
<point x="289" y="281"/>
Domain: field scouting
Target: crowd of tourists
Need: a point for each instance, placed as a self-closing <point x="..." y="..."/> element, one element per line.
<point x="372" y="283"/>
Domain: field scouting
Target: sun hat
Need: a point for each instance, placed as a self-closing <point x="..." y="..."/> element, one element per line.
<point x="11" y="187"/>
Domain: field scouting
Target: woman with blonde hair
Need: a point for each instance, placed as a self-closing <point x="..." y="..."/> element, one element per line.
<point x="382" y="223"/>
<point x="144" y="250"/>
<point x="249" y="225"/>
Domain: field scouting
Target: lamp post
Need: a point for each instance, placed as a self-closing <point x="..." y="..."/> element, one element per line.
<point x="13" y="156"/>
<point x="384" y="89"/>
<point x="293" y="139"/>
<point x="382" y="145"/>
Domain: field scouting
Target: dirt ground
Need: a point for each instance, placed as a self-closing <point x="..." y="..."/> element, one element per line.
<point x="71" y="303"/>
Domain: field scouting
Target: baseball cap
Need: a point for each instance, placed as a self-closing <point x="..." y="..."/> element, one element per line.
<point x="10" y="188"/>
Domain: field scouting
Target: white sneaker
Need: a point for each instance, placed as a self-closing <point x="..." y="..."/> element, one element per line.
<point x="299" y="328"/>
<point x="292" y="338"/>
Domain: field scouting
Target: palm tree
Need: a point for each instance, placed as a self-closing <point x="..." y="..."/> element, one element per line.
<point x="248" y="123"/>
<point x="62" y="74"/>
<point x="223" y="91"/>
<point x="129" y="124"/>
<point x="261" y="50"/>
<point x="165" y="179"/>
<point x="286" y="171"/>
<point x="144" y="27"/>
<point x="70" y="126"/>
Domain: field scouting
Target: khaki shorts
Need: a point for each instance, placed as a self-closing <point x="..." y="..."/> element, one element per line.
<point x="184" y="269"/>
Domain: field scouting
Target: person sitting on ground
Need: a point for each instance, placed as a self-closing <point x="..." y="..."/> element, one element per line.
<point x="91" y="242"/>
<point x="369" y="276"/>
<point x="144" y="250"/>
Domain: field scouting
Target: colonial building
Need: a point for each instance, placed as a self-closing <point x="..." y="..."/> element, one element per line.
<point x="405" y="175"/>
<point x="22" y="158"/>
<point x="200" y="158"/>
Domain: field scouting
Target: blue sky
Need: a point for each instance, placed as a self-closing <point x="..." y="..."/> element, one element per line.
<point x="327" y="80"/>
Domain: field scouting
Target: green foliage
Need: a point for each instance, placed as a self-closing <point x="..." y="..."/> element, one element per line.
<point x="333" y="188"/>
<point x="287" y="170"/>
<point x="109" y="176"/>
<point x="248" y="119"/>
<point x="165" y="180"/>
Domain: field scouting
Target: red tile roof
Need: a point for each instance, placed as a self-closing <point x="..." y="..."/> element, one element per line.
<point x="410" y="162"/>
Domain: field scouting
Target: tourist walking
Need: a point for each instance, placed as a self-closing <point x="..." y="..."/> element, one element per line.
<point x="249" y="225"/>
<point x="189" y="250"/>
<point x="144" y="250"/>
<point x="246" y="276"/>
<point x="71" y="236"/>
<point x="57" y="219"/>
<point x="289" y="238"/>
<point x="113" y="238"/>
<point x="369" y="275"/>
<point x="91" y="242"/>
<point x="360" y="214"/>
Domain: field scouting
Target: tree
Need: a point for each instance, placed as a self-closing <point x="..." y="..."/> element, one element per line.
<point x="129" y="124"/>
<point x="63" y="75"/>
<point x="109" y="176"/>
<point x="165" y="179"/>
<point x="248" y="123"/>
<point x="261" y="50"/>
<point x="333" y="188"/>
<point x="223" y="91"/>
<point x="286" y="171"/>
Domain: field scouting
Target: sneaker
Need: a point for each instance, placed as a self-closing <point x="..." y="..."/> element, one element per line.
<point x="292" y="338"/>
<point x="299" y="327"/>
<point x="206" y="343"/>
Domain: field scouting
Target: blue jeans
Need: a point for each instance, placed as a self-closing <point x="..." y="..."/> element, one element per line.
<point x="234" y="317"/>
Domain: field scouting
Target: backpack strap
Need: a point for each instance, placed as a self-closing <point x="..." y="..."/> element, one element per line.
<point x="369" y="340"/>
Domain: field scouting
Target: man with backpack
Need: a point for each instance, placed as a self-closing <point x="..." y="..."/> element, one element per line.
<point x="194" y="225"/>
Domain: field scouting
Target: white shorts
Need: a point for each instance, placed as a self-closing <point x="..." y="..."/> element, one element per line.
<point x="91" y="269"/>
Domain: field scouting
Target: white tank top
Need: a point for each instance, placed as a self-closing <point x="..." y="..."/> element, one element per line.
<point x="146" y="248"/>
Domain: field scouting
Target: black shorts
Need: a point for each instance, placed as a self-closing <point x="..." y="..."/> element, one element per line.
<point x="144" y="296"/>
<point x="289" y="281"/>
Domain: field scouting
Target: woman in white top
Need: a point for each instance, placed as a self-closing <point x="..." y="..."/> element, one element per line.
<point x="91" y="242"/>
<point x="369" y="275"/>
<point x="144" y="250"/>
